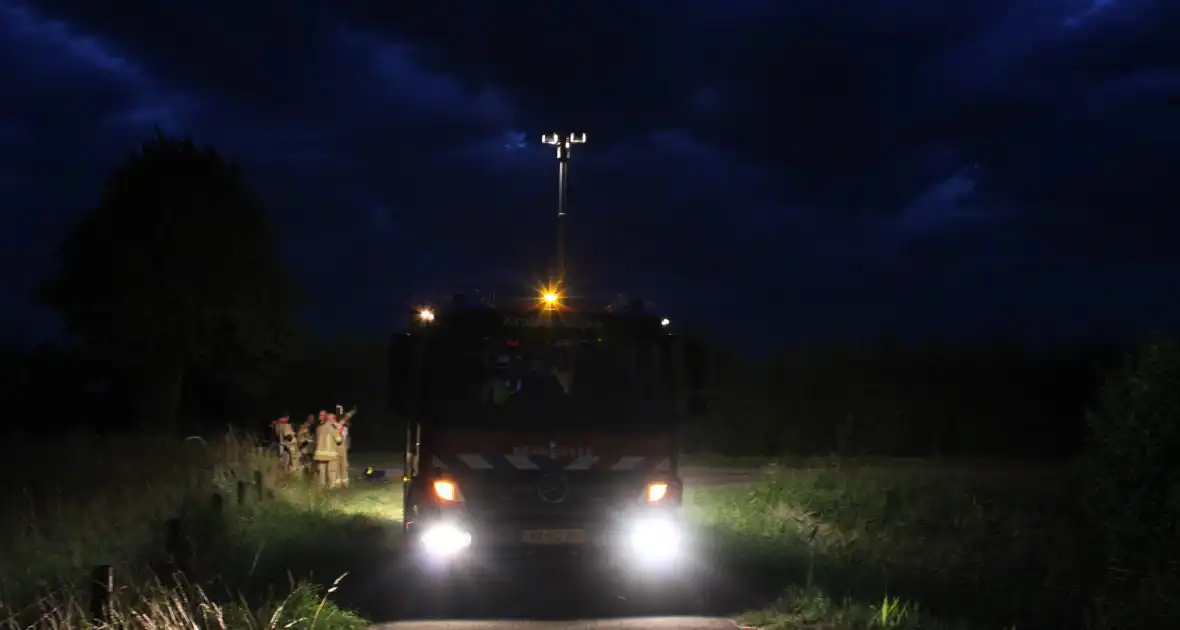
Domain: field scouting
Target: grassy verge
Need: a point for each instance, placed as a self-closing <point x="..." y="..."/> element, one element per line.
<point x="73" y="504"/>
<point x="858" y="547"/>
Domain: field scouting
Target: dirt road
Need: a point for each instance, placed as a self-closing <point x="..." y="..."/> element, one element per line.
<point x="539" y="599"/>
<point x="635" y="623"/>
<point x="610" y="612"/>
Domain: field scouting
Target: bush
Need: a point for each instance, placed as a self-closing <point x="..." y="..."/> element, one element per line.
<point x="1133" y="466"/>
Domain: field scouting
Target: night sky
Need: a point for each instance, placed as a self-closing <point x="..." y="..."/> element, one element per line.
<point x="770" y="170"/>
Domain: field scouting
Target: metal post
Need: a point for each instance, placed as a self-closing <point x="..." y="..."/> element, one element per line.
<point x="175" y="546"/>
<point x="679" y="375"/>
<point x="564" y="143"/>
<point x="660" y="385"/>
<point x="102" y="589"/>
<point x="563" y="165"/>
<point x="417" y="394"/>
<point x="259" y="486"/>
<point x="410" y="463"/>
<point x="172" y="538"/>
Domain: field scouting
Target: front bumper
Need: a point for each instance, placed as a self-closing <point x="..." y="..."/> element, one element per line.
<point x="647" y="539"/>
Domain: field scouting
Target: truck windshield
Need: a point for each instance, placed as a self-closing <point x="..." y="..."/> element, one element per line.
<point x="540" y="381"/>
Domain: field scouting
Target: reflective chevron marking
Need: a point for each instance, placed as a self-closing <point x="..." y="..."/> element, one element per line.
<point x="474" y="462"/>
<point x="582" y="463"/>
<point x="477" y="461"/>
<point x="523" y="462"/>
<point x="627" y="463"/>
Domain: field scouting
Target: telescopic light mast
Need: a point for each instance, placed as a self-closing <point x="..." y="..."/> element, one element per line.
<point x="564" y="143"/>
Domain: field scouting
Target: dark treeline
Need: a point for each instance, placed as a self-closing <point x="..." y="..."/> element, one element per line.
<point x="884" y="399"/>
<point x="889" y="399"/>
<point x="53" y="389"/>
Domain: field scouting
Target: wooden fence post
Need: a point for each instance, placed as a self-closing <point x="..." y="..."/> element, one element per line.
<point x="172" y="537"/>
<point x="174" y="545"/>
<point x="102" y="589"/>
<point x="258" y="488"/>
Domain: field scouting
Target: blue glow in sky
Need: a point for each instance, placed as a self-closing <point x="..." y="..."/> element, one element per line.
<point x="956" y="168"/>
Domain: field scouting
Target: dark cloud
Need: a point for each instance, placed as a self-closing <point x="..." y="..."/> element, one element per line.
<point x="857" y="165"/>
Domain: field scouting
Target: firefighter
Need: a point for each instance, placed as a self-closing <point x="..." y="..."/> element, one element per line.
<point x="540" y="383"/>
<point x="346" y="417"/>
<point x="562" y="367"/>
<point x="335" y="429"/>
<point x="325" y="451"/>
<point x="288" y="452"/>
<point x="305" y="439"/>
<point x="277" y="445"/>
<point x="495" y="390"/>
<point x="343" y="444"/>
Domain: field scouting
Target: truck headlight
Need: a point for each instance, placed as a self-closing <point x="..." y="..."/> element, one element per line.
<point x="656" y="492"/>
<point x="444" y="540"/>
<point x="446" y="491"/>
<point x="654" y="538"/>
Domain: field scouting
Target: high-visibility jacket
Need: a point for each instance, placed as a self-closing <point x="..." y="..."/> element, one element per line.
<point x="325" y="443"/>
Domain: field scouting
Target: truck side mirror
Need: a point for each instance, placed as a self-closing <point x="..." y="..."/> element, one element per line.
<point x="696" y="368"/>
<point x="398" y="372"/>
<point x="409" y="370"/>
<point x="693" y="376"/>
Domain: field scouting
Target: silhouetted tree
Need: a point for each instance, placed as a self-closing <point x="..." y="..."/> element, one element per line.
<point x="176" y="268"/>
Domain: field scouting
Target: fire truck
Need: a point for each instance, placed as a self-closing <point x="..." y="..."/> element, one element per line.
<point x="544" y="432"/>
<point x="544" y="428"/>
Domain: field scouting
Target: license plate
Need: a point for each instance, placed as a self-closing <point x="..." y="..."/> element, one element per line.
<point x="553" y="536"/>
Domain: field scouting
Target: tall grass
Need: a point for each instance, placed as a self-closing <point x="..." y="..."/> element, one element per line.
<point x="159" y="607"/>
<point x="72" y="503"/>
<point x="861" y="547"/>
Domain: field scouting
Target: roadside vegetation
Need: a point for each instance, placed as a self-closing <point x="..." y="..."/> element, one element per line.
<point x="1091" y="544"/>
<point x="269" y="562"/>
<point x="862" y="547"/>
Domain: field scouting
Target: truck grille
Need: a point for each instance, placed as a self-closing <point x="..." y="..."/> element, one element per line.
<point x="520" y="501"/>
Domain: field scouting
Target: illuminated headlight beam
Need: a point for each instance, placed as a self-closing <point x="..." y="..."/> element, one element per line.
<point x="654" y="539"/>
<point x="444" y="541"/>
